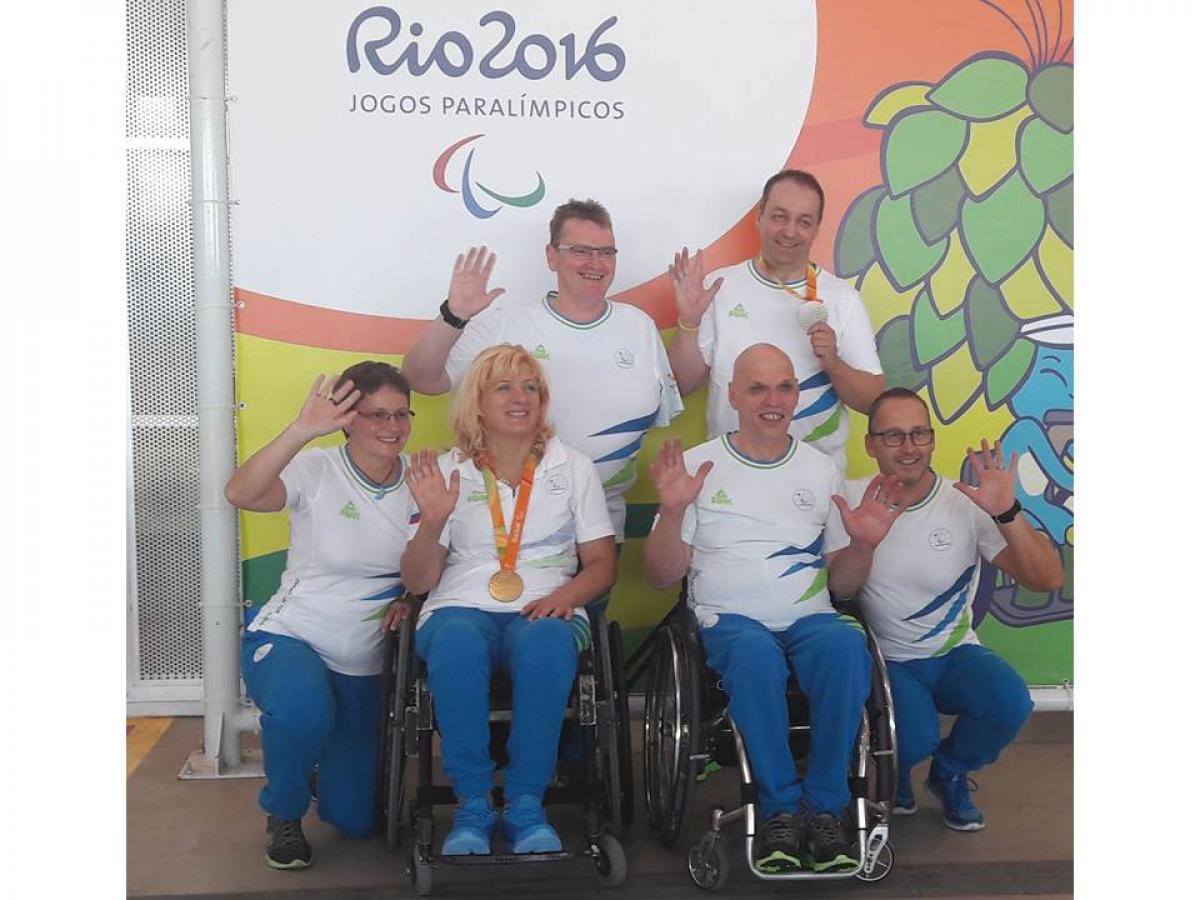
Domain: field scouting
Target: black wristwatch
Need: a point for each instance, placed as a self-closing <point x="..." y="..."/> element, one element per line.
<point x="1009" y="514"/>
<point x="450" y="318"/>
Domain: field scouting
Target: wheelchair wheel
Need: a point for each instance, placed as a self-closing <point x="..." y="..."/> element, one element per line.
<point x="611" y="867"/>
<point x="609" y="735"/>
<point x="624" y="734"/>
<point x="881" y="722"/>
<point x="396" y="675"/>
<point x="881" y="866"/>
<point x="708" y="862"/>
<point x="671" y="730"/>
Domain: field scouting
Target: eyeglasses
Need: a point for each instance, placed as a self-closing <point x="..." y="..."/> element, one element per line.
<point x="379" y="416"/>
<point x="583" y="251"/>
<point x="894" y="437"/>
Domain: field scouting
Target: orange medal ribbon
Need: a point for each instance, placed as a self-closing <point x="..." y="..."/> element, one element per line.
<point x="810" y="281"/>
<point x="506" y="585"/>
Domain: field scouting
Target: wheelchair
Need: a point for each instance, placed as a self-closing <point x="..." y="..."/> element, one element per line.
<point x="601" y="783"/>
<point x="688" y="728"/>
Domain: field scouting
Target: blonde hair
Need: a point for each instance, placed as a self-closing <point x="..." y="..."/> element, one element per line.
<point x="495" y="364"/>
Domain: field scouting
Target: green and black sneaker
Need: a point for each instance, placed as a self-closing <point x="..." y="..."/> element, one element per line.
<point x="286" y="846"/>
<point x="828" y="847"/>
<point x="778" y="845"/>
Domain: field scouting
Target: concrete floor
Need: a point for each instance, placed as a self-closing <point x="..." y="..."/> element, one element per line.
<point x="205" y="838"/>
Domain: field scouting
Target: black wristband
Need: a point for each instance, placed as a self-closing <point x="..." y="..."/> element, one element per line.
<point x="1009" y="514"/>
<point x="450" y="318"/>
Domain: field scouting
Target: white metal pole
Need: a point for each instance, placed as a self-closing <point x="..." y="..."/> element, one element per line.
<point x="222" y="610"/>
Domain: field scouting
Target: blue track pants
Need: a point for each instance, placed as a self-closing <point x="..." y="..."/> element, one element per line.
<point x="829" y="657"/>
<point x="462" y="647"/>
<point x="312" y="716"/>
<point x="971" y="682"/>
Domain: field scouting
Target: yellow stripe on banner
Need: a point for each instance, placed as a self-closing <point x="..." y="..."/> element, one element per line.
<point x="140" y="737"/>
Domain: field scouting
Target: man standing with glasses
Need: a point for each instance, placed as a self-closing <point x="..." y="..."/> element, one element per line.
<point x="782" y="297"/>
<point x="918" y="596"/>
<point x="581" y="338"/>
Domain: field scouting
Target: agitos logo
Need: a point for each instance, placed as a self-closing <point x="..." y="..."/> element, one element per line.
<point x="468" y="187"/>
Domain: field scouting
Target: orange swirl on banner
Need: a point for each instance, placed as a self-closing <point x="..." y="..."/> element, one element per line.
<point x="276" y="319"/>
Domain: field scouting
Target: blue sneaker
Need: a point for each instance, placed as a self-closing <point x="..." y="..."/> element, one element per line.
<point x="906" y="803"/>
<point x="953" y="791"/>
<point x="474" y="821"/>
<point x="526" y="827"/>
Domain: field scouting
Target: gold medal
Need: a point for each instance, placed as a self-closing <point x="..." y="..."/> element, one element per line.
<point x="505" y="586"/>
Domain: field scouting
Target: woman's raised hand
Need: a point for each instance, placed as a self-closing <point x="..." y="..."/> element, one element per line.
<point x="326" y="410"/>
<point x="434" y="497"/>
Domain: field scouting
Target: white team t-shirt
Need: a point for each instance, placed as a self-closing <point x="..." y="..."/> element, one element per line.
<point x="918" y="596"/>
<point x="751" y="308"/>
<point x="759" y="533"/>
<point x="566" y="508"/>
<point x="343" y="560"/>
<point x="609" y="380"/>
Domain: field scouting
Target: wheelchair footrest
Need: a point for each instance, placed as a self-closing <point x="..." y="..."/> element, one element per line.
<point x="506" y="859"/>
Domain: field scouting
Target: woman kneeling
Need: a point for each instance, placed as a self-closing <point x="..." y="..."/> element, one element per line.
<point x="312" y="656"/>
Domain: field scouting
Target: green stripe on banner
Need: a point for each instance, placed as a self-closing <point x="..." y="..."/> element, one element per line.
<point x="260" y="577"/>
<point x="638" y="519"/>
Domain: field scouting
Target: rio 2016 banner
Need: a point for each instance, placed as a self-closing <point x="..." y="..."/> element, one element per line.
<point x="376" y="142"/>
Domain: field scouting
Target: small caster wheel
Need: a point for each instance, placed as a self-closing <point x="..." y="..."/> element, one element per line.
<point x="422" y="874"/>
<point x="880" y="867"/>
<point x="708" y="862"/>
<point x="610" y="864"/>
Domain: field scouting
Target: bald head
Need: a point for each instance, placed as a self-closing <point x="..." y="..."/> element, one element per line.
<point x="759" y="357"/>
<point x="763" y="389"/>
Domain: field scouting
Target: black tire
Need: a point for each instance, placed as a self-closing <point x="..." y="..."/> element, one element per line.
<point x="654" y="778"/>
<point x="672" y="729"/>
<point x="382" y="748"/>
<point x="394" y="762"/>
<point x="624" y="734"/>
<point x="608" y="735"/>
<point x="708" y="862"/>
<point x="611" y="866"/>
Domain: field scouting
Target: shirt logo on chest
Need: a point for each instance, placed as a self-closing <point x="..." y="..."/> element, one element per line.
<point x="739" y="312"/>
<point x="804" y="499"/>
<point x="720" y="498"/>
<point x="539" y="352"/>
<point x="623" y="358"/>
<point x="556" y="484"/>
<point x="941" y="539"/>
<point x="350" y="511"/>
<point x="477" y="497"/>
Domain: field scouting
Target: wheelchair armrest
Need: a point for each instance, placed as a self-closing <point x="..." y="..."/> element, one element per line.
<point x="595" y="617"/>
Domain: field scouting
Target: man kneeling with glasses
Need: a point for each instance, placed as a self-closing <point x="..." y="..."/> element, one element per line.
<point x="918" y="597"/>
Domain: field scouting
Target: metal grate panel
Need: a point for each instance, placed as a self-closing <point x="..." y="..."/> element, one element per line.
<point x="156" y="80"/>
<point x="162" y="346"/>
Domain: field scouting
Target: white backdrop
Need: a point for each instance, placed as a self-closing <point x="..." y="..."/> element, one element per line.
<point x="339" y="199"/>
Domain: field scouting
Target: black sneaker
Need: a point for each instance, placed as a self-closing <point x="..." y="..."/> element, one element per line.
<point x="286" y="846"/>
<point x="826" y="842"/>
<point x="778" y="844"/>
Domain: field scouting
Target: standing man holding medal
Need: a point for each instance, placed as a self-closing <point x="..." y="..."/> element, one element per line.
<point x="781" y="297"/>
<point x="514" y="537"/>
